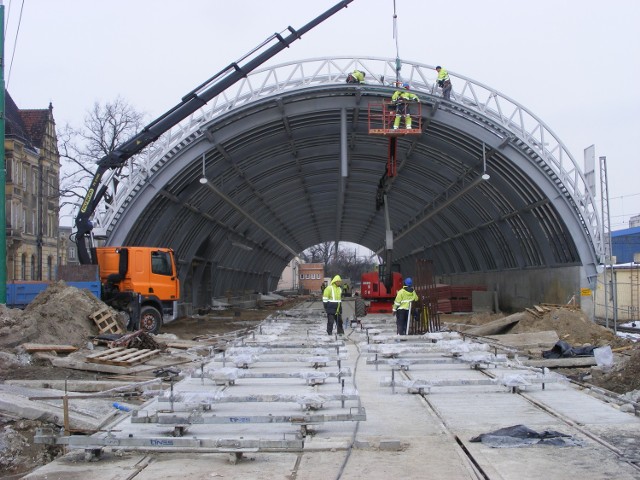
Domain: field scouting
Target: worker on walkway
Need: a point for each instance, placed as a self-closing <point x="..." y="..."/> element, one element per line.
<point x="402" y="305"/>
<point x="332" y="301"/>
<point x="444" y="82"/>
<point x="401" y="99"/>
<point x="357" y="76"/>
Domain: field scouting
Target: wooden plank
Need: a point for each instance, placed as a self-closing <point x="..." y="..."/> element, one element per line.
<point x="121" y="356"/>
<point x="44" y="347"/>
<point x="100" y="354"/>
<point x="539" y="309"/>
<point x="143" y="357"/>
<point x="533" y="312"/>
<point x="105" y="321"/>
<point x="495" y="327"/>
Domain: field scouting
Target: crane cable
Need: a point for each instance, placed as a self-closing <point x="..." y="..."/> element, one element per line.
<point x="15" y="42"/>
<point x="395" y="36"/>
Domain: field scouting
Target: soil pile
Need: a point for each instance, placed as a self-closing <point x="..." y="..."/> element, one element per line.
<point x="58" y="315"/>
<point x="571" y="325"/>
<point x="624" y="376"/>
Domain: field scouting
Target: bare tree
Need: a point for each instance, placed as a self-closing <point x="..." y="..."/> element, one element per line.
<point x="320" y="253"/>
<point x="105" y="127"/>
<point x="344" y="262"/>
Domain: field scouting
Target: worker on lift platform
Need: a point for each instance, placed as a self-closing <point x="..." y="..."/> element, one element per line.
<point x="401" y="99"/>
<point x="357" y="76"/>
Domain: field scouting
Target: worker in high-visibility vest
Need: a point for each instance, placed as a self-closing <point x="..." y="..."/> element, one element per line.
<point x="332" y="301"/>
<point x="444" y="82"/>
<point x="357" y="76"/>
<point x="402" y="304"/>
<point x="401" y="99"/>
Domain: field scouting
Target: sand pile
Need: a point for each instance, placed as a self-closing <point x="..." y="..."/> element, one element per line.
<point x="58" y="315"/>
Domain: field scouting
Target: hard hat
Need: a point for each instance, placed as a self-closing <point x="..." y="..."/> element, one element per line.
<point x="405" y="85"/>
<point x="438" y="67"/>
<point x="408" y="282"/>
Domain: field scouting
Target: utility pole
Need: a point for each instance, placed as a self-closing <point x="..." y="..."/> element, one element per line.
<point x="3" y="171"/>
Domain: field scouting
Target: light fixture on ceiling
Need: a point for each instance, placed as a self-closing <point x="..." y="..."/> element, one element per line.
<point x="203" y="179"/>
<point x="485" y="175"/>
<point x="242" y="246"/>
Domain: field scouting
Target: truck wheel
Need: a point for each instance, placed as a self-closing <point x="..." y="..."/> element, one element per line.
<point x="150" y="319"/>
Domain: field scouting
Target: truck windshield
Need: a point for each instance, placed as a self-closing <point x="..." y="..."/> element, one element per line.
<point x="161" y="263"/>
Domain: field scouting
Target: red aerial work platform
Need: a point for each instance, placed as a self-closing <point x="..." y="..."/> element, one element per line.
<point x="381" y="118"/>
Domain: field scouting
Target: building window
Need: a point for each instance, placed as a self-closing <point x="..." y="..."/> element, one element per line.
<point x="33" y="267"/>
<point x="50" y="267"/>
<point x="24" y="266"/>
<point x="52" y="186"/>
<point x="302" y="276"/>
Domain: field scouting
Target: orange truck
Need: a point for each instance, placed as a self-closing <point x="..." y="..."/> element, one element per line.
<point x="143" y="280"/>
<point x="140" y="281"/>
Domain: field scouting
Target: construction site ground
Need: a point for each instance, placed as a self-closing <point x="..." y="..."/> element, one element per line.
<point x="402" y="406"/>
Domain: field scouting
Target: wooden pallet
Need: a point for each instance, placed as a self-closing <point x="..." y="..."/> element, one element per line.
<point x="106" y="322"/>
<point x="123" y="357"/>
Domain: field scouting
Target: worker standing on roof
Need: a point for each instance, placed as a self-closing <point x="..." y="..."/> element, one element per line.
<point x="401" y="99"/>
<point x="357" y="76"/>
<point x="332" y="301"/>
<point x="444" y="82"/>
<point x="402" y="304"/>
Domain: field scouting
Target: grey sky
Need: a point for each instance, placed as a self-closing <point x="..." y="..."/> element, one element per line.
<point x="574" y="64"/>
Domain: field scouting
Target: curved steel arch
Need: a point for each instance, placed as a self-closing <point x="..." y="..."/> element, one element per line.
<point x="273" y="148"/>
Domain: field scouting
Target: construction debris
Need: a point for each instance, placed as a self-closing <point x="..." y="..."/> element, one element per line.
<point x="138" y="339"/>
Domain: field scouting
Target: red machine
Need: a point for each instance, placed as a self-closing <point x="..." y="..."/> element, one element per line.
<point x="375" y="291"/>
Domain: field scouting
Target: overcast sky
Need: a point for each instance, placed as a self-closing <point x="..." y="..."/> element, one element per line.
<point x="574" y="63"/>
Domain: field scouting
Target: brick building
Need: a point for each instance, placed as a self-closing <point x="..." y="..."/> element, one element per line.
<point x="32" y="186"/>
<point x="311" y="276"/>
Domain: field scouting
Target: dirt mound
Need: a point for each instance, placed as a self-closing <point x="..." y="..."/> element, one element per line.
<point x="624" y="376"/>
<point x="572" y="326"/>
<point x="58" y="315"/>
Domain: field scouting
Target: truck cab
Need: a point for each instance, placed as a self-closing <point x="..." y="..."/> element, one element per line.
<point x="141" y="281"/>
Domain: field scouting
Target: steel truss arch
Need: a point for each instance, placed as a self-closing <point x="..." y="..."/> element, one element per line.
<point x="542" y="212"/>
<point x="474" y="96"/>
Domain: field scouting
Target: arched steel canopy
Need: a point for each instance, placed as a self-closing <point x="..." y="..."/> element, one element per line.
<point x="289" y="163"/>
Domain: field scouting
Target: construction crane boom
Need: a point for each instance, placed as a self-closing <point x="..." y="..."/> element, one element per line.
<point x="189" y="104"/>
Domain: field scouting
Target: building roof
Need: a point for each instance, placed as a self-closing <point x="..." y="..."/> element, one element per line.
<point x="35" y="122"/>
<point x="625" y="232"/>
<point x="15" y="126"/>
<point x="27" y="126"/>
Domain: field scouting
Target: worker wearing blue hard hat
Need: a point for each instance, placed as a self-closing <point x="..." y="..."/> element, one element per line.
<point x="405" y="297"/>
